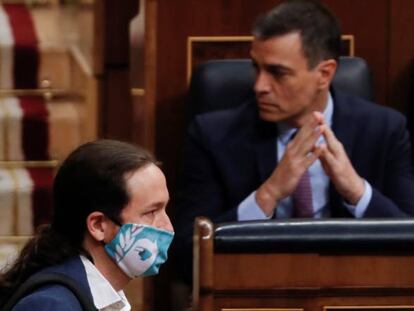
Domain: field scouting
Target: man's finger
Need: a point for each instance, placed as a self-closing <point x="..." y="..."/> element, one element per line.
<point x="314" y="120"/>
<point x="318" y="116"/>
<point x="327" y="157"/>
<point x="313" y="156"/>
<point x="332" y="142"/>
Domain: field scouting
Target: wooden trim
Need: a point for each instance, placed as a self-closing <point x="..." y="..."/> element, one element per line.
<point x="29" y="164"/>
<point x="98" y="47"/>
<point x="263" y="309"/>
<point x="14" y="239"/>
<point x="193" y="39"/>
<point x="15" y="202"/>
<point x="203" y="267"/>
<point x="314" y="292"/>
<point x="137" y="92"/>
<point x="46" y="93"/>
<point x="351" y="40"/>
<point x="150" y="69"/>
<point x="31" y="2"/>
<point x="81" y="60"/>
<point x="370" y="307"/>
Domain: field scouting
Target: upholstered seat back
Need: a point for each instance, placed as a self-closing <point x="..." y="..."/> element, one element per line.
<point x="316" y="235"/>
<point x="221" y="84"/>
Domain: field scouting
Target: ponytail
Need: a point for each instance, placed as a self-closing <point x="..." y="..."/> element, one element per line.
<point x="46" y="248"/>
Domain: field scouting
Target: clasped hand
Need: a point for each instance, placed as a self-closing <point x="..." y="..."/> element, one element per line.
<point x="301" y="152"/>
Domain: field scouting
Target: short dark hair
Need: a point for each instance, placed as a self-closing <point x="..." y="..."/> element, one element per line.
<point x="318" y="27"/>
<point x="92" y="178"/>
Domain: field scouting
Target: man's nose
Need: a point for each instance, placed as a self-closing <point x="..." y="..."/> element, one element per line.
<point x="261" y="84"/>
<point x="164" y="222"/>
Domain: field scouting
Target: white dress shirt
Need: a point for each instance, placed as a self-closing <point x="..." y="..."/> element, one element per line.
<point x="248" y="209"/>
<point x="105" y="297"/>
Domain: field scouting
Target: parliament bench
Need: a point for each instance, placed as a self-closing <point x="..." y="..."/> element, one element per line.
<point x="294" y="265"/>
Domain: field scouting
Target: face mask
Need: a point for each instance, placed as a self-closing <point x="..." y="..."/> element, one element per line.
<point x="139" y="250"/>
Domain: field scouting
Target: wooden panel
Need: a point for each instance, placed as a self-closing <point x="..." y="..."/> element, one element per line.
<point x="401" y="70"/>
<point x="84" y="83"/>
<point x="116" y="30"/>
<point x="117" y="110"/>
<point x="143" y="73"/>
<point x="310" y="270"/>
<point x="368" y="21"/>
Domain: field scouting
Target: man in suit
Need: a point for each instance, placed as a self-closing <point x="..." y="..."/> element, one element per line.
<point x="300" y="148"/>
<point x="109" y="226"/>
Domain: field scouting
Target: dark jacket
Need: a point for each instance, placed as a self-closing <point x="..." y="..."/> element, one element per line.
<point x="57" y="297"/>
<point x="229" y="153"/>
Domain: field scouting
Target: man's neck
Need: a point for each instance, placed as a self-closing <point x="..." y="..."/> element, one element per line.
<point x="106" y="266"/>
<point x="319" y="104"/>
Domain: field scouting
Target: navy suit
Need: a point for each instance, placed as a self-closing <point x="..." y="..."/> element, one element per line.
<point x="57" y="297"/>
<point x="229" y="153"/>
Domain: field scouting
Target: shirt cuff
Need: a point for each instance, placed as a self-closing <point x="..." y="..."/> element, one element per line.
<point x="359" y="209"/>
<point x="248" y="209"/>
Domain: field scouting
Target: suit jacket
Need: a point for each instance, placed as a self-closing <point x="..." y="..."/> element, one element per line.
<point x="229" y="153"/>
<point x="57" y="297"/>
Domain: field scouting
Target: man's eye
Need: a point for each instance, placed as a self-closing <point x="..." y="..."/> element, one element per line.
<point x="278" y="74"/>
<point x="151" y="213"/>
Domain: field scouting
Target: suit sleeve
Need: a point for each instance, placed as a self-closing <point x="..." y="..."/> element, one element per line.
<point x="395" y="198"/>
<point x="44" y="301"/>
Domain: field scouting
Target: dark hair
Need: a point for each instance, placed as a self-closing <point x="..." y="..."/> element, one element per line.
<point x="92" y="178"/>
<point x="317" y="26"/>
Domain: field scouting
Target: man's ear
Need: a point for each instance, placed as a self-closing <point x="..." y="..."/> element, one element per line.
<point x="326" y="69"/>
<point x="96" y="224"/>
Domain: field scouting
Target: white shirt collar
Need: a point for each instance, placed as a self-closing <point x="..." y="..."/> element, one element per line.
<point x="105" y="297"/>
<point x="286" y="131"/>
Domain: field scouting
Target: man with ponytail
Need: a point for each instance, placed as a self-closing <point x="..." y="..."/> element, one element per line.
<point x="109" y="226"/>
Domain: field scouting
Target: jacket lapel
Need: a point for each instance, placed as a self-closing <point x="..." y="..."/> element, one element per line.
<point x="265" y="148"/>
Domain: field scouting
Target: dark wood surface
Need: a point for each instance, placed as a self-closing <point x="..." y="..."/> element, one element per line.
<point x="401" y="55"/>
<point x="336" y="281"/>
<point x="115" y="95"/>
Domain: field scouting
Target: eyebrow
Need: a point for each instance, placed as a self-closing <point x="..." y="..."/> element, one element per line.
<point x="273" y="68"/>
<point x="158" y="205"/>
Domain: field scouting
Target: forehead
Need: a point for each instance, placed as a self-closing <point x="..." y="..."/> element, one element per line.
<point x="284" y="50"/>
<point x="147" y="186"/>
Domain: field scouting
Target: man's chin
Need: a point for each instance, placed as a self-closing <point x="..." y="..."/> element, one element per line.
<point x="270" y="116"/>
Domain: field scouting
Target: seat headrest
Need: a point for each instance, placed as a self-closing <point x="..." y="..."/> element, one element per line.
<point x="325" y="235"/>
<point x="222" y="84"/>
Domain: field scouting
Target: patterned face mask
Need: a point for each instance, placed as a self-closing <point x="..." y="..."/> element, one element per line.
<point x="140" y="250"/>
